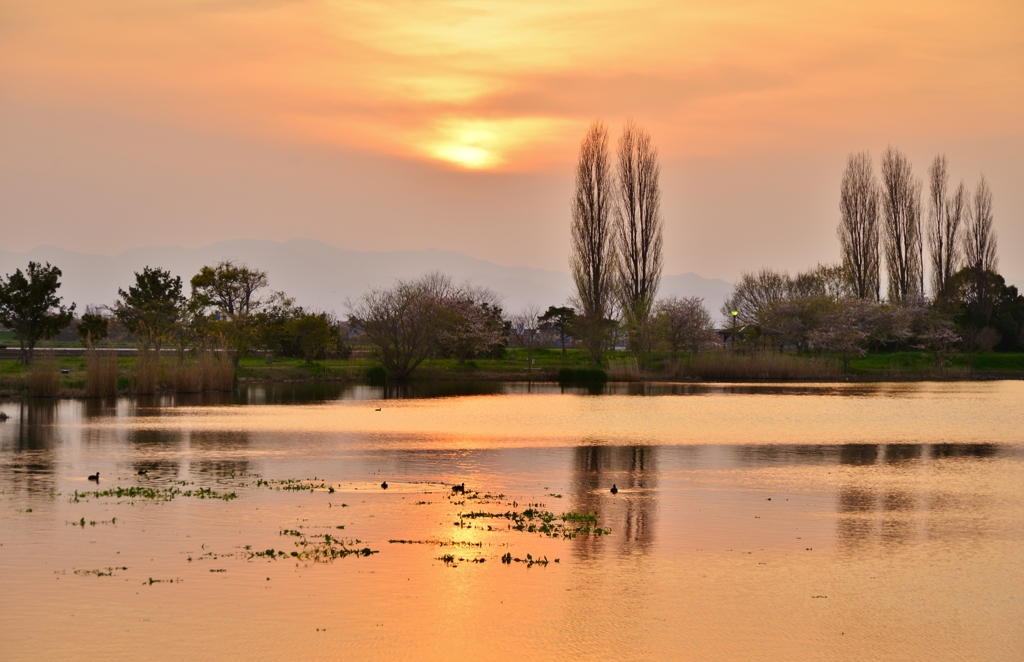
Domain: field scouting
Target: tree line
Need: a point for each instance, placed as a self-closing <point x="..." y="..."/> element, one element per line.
<point x="884" y="225"/>
<point x="230" y="308"/>
<point x="615" y="259"/>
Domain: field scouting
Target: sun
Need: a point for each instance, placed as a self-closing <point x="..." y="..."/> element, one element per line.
<point x="481" y="144"/>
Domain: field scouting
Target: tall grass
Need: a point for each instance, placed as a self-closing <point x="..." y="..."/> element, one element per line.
<point x="624" y="370"/>
<point x="44" y="379"/>
<point x="208" y="372"/>
<point x="100" y="375"/>
<point x="758" y="366"/>
<point x="147" y="370"/>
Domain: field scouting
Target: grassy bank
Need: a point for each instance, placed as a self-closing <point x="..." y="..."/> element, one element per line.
<point x="49" y="378"/>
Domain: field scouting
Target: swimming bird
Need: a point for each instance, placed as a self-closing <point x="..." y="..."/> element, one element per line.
<point x="459" y="488"/>
<point x="95" y="477"/>
<point x="384" y="485"/>
<point x="3" y="416"/>
<point x="377" y="409"/>
<point x="614" y="490"/>
<point x="143" y="472"/>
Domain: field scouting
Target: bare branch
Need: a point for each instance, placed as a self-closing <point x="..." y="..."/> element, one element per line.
<point x="858" y="228"/>
<point x="901" y="216"/>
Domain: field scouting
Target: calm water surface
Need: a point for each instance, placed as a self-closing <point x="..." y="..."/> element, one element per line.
<point x="759" y="522"/>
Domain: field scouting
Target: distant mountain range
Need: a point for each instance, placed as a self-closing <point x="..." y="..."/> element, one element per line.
<point x="321" y="276"/>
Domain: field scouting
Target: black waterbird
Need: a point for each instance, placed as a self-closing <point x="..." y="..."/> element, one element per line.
<point x="459" y="488"/>
<point x="384" y="485"/>
<point x="95" y="477"/>
<point x="614" y="490"/>
<point x="143" y="472"/>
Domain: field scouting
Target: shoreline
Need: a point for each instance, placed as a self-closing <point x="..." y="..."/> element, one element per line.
<point x="546" y="380"/>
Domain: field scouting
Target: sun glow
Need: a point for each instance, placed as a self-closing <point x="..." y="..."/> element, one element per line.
<point x="477" y="144"/>
<point x="492" y="84"/>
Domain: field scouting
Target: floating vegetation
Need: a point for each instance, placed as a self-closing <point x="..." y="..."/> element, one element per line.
<point x="532" y="520"/>
<point x="107" y="572"/>
<point x="507" y="559"/>
<point x="82" y="522"/>
<point x="293" y="485"/>
<point x="449" y="559"/>
<point x="296" y="485"/>
<point x="218" y="569"/>
<point x="155" y="493"/>
<point x="487" y="497"/>
<point x="557" y="496"/>
<point x="162" y="581"/>
<point x="318" y="548"/>
<point x="438" y="543"/>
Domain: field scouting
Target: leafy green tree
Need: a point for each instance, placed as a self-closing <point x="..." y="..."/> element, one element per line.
<point x="229" y="294"/>
<point x="272" y="323"/>
<point x="989" y="314"/>
<point x="91" y="329"/>
<point x="558" y="319"/>
<point x="313" y="336"/>
<point x="30" y="307"/>
<point x="151" y="308"/>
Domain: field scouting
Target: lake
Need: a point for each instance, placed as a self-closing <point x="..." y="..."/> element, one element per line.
<point x="752" y="522"/>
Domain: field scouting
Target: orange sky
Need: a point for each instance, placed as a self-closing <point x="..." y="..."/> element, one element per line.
<point x="454" y="124"/>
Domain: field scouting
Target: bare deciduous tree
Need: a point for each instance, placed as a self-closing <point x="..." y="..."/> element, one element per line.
<point x="638" y="227"/>
<point x="957" y="210"/>
<point x="592" y="255"/>
<point x="945" y="214"/>
<point x="980" y="242"/>
<point x="526" y="332"/>
<point x="901" y="219"/>
<point x="401" y="322"/>
<point x="684" y="324"/>
<point x="980" y="238"/>
<point x="858" y="229"/>
<point x="824" y="280"/>
<point x="755" y="294"/>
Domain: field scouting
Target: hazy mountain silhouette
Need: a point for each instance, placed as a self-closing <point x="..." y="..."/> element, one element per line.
<point x="321" y="276"/>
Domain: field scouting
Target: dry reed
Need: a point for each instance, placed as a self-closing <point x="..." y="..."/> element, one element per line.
<point x="758" y="366"/>
<point x="147" y="369"/>
<point x="218" y="372"/>
<point x="623" y="370"/>
<point x="100" y="375"/>
<point x="208" y="372"/>
<point x="44" y="379"/>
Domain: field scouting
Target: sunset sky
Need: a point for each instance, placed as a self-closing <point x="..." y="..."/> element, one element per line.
<point x="405" y="125"/>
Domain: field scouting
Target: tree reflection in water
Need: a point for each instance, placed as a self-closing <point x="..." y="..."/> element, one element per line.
<point x="630" y="513"/>
<point x="221" y="454"/>
<point x="896" y="493"/>
<point x="32" y="435"/>
<point x="156" y="451"/>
